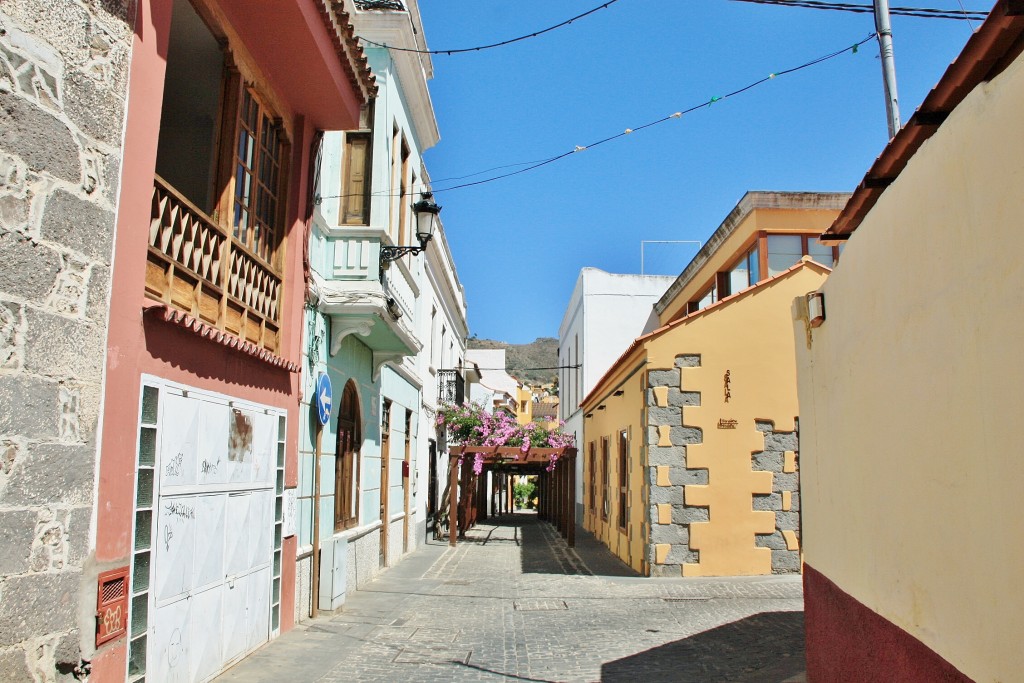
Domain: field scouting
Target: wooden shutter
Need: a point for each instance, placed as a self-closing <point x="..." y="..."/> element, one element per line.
<point x="355" y="201"/>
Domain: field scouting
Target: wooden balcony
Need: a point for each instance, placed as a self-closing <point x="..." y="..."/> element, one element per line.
<point x="196" y="266"/>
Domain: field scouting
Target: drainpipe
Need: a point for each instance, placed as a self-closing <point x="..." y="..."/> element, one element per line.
<point x="314" y="587"/>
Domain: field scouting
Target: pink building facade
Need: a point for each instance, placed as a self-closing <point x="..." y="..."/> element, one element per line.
<point x="200" y="417"/>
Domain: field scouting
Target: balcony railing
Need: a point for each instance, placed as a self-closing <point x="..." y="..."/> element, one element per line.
<point x="196" y="266"/>
<point x="380" y="4"/>
<point x="451" y="387"/>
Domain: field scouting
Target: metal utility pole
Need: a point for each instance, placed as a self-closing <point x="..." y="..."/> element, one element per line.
<point x="884" y="30"/>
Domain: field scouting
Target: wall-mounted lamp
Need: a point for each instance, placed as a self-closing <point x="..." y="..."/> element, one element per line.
<point x="394" y="309"/>
<point x="620" y="392"/>
<point x="600" y="407"/>
<point x="426" y="221"/>
<point x="589" y="415"/>
<point x="816" y="308"/>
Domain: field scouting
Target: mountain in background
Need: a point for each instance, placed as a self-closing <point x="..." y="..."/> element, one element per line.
<point x="521" y="359"/>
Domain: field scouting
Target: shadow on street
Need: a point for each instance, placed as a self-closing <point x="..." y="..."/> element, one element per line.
<point x="543" y="550"/>
<point x="744" y="651"/>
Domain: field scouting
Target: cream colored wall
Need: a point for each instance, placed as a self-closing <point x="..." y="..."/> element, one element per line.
<point x="751" y="338"/>
<point x="911" y="399"/>
<point x="773" y="220"/>
<point x="621" y="412"/>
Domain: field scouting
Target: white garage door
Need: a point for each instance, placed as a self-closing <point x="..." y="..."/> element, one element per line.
<point x="215" y="535"/>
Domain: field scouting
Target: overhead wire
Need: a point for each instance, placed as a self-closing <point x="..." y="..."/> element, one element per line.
<point x="919" y="12"/>
<point x="965" y="13"/>
<point x="502" y="43"/>
<point x="676" y="115"/>
<point x="532" y="166"/>
<point x="488" y="170"/>
<point x="577" y="367"/>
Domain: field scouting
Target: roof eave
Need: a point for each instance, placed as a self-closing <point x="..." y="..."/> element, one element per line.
<point x="996" y="43"/>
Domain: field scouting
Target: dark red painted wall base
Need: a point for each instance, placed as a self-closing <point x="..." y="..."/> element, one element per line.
<point x="849" y="643"/>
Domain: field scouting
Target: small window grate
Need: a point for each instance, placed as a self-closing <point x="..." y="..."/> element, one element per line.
<point x="112" y="590"/>
<point x="111" y="605"/>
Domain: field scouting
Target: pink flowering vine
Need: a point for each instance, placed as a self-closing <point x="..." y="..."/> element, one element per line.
<point x="471" y="425"/>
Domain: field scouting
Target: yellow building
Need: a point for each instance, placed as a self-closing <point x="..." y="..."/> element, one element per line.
<point x="524" y="405"/>
<point x="689" y="440"/>
<point x="545" y="412"/>
<point x="539" y="407"/>
<point x="910" y="394"/>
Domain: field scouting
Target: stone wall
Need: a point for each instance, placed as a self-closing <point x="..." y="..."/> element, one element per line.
<point x="780" y="458"/>
<point x="63" y="82"/>
<point x="667" y="473"/>
<point x="670" y="518"/>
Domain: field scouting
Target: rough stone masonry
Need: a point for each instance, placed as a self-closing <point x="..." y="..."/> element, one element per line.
<point x="63" y="84"/>
<point x="668" y="473"/>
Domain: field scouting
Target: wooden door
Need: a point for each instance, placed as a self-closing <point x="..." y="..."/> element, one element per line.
<point x="346" y="464"/>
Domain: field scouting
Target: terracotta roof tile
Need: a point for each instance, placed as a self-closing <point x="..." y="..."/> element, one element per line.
<point x="350" y="52"/>
<point x="198" y="327"/>
<point x="992" y="47"/>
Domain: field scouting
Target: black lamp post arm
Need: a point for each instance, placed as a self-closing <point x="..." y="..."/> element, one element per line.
<point x="388" y="253"/>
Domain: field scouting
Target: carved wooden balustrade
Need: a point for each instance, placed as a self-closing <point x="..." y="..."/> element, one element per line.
<point x="196" y="266"/>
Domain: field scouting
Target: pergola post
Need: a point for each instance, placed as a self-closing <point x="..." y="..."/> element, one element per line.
<point x="563" y="480"/>
<point x="557" y="481"/>
<point x="547" y="497"/>
<point x="566" y="500"/>
<point x="469" y="495"/>
<point x="571" y="475"/>
<point x="453" y="498"/>
<point x="482" y="495"/>
<point x="542" y="482"/>
<point x="466" y="496"/>
<point x="559" y="494"/>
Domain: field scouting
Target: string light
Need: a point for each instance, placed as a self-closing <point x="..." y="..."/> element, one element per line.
<point x="531" y="166"/>
<point x="676" y="115"/>
<point x="492" y="45"/>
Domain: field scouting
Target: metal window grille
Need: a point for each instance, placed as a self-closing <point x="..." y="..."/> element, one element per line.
<point x="451" y="387"/>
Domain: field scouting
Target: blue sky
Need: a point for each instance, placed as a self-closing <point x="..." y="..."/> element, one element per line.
<point x="519" y="243"/>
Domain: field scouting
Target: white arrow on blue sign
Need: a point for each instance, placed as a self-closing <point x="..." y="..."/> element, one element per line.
<point x="323" y="398"/>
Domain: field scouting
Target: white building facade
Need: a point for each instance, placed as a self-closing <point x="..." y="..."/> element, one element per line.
<point x="443" y="369"/>
<point x="606" y="312"/>
<point x="379" y="325"/>
<point x="496" y="388"/>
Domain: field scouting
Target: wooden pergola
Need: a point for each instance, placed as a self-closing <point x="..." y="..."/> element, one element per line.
<point x="556" y="489"/>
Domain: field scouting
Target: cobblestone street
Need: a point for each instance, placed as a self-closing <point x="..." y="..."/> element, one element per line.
<point x="513" y="602"/>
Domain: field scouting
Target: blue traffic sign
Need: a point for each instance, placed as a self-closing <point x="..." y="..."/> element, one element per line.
<point x="323" y="398"/>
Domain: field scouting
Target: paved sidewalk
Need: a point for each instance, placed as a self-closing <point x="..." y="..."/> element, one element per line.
<point x="514" y="603"/>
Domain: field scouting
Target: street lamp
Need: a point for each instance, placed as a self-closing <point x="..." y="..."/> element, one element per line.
<point x="426" y="221"/>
